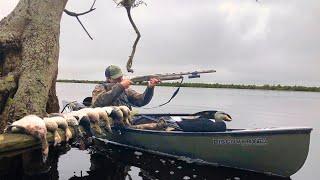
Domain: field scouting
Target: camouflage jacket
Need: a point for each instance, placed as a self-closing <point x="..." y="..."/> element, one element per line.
<point x="114" y="94"/>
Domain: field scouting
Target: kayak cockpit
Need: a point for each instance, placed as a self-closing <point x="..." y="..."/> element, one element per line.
<point x="256" y="131"/>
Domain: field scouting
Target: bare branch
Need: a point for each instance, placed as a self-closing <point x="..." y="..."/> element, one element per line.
<point x="138" y="3"/>
<point x="76" y="15"/>
<point x="128" y="4"/>
<point x="129" y="62"/>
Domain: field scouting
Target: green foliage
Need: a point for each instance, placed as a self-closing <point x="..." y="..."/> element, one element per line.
<point x="217" y="85"/>
<point x="9" y="78"/>
<point x="79" y="81"/>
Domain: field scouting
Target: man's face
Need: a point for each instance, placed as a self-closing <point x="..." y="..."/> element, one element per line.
<point x="116" y="80"/>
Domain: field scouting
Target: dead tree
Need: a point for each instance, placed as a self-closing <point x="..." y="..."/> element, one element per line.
<point x="29" y="48"/>
<point x="129" y="4"/>
<point x="29" y="52"/>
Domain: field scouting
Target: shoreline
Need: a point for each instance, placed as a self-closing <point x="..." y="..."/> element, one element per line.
<point x="216" y="85"/>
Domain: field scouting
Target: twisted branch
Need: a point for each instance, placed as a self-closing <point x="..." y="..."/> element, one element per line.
<point x="129" y="62"/>
<point x="128" y="4"/>
<point x="76" y="15"/>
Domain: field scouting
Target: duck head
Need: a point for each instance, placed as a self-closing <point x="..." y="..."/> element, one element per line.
<point x="42" y="135"/>
<point x="72" y="120"/>
<point x="85" y="123"/>
<point x="222" y="116"/>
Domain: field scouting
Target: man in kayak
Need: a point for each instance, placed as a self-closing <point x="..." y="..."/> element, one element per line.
<point x="116" y="91"/>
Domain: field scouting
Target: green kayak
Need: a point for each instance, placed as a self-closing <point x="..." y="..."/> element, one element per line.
<point x="274" y="151"/>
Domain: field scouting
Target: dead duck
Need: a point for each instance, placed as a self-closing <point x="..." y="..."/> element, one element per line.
<point x="77" y="114"/>
<point x="126" y="115"/>
<point x="222" y="116"/>
<point x="97" y="114"/>
<point x="63" y="124"/>
<point x="104" y="117"/>
<point x="34" y="126"/>
<point x="211" y="121"/>
<point x="117" y="116"/>
<point x="76" y="119"/>
<point x="85" y="123"/>
<point x="108" y="109"/>
<point x="52" y="126"/>
<point x="55" y="115"/>
<point x="94" y="117"/>
<point x="71" y="120"/>
<point x="85" y="139"/>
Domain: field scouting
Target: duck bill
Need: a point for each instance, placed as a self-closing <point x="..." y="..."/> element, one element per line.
<point x="108" y="127"/>
<point x="45" y="149"/>
<point x="227" y="118"/>
<point x="68" y="134"/>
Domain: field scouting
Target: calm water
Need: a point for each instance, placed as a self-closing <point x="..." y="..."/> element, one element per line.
<point x="249" y="109"/>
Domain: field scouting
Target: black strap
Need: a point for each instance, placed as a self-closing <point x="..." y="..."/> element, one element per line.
<point x="67" y="106"/>
<point x="173" y="95"/>
<point x="87" y="101"/>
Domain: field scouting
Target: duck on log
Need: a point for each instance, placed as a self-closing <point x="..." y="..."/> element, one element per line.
<point x="17" y="142"/>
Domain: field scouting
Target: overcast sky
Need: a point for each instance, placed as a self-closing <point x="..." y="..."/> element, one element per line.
<point x="271" y="42"/>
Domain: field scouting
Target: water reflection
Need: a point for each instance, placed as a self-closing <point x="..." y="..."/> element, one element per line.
<point x="104" y="168"/>
<point x="152" y="167"/>
<point x="15" y="168"/>
<point x="120" y="163"/>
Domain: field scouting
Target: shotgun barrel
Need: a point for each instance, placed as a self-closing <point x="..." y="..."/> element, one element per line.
<point x="170" y="76"/>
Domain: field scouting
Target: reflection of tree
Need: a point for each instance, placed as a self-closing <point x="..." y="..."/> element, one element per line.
<point x="10" y="168"/>
<point x="33" y="170"/>
<point x="113" y="162"/>
<point x="162" y="167"/>
<point x="105" y="168"/>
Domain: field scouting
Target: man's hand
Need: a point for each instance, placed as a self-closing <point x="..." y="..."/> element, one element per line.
<point x="153" y="82"/>
<point x="126" y="83"/>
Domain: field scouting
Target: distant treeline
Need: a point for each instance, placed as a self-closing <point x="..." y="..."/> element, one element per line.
<point x="217" y="85"/>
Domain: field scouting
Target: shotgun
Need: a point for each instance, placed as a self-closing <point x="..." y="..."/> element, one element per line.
<point x="170" y="76"/>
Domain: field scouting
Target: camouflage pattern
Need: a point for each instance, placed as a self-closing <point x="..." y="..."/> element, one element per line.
<point x="113" y="72"/>
<point x="114" y="94"/>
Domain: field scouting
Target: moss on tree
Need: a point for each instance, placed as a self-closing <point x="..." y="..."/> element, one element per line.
<point x="29" y="52"/>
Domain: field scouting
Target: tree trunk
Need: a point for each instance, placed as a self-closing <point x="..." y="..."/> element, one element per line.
<point x="29" y="52"/>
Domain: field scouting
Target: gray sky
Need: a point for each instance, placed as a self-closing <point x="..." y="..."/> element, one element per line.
<point x="271" y="42"/>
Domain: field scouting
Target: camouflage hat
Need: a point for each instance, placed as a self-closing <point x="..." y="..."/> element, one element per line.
<point x="113" y="72"/>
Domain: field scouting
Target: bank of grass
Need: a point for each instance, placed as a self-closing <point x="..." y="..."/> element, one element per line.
<point x="217" y="85"/>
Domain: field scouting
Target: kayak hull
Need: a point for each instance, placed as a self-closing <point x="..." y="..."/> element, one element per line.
<point x="275" y="151"/>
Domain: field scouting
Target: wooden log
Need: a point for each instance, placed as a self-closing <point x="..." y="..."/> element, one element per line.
<point x="14" y="144"/>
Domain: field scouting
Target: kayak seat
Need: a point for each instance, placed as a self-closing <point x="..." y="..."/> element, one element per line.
<point x="142" y="120"/>
<point x="202" y="125"/>
<point x="198" y="124"/>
